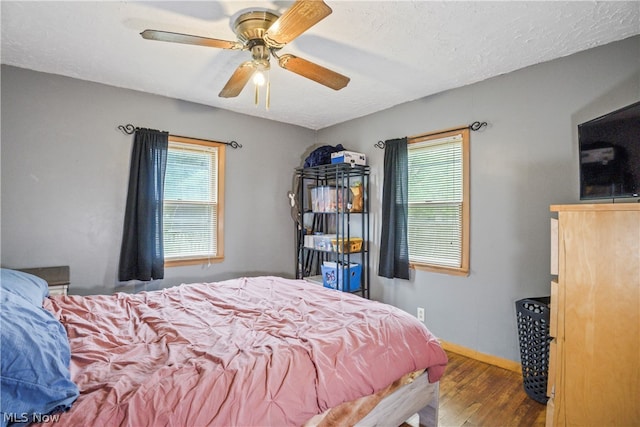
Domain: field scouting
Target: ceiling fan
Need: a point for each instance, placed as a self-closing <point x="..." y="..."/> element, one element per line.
<point x="264" y="33"/>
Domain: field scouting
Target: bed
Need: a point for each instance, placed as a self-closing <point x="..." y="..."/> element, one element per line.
<point x="259" y="351"/>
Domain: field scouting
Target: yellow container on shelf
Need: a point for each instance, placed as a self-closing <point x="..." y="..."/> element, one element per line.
<point x="351" y="245"/>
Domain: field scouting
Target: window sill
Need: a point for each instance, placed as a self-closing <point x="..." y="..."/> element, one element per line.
<point x="192" y="261"/>
<point x="443" y="270"/>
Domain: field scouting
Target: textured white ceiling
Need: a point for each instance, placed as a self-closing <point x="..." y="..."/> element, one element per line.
<point x="393" y="51"/>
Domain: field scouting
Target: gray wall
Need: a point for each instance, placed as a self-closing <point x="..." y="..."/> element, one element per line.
<point x="525" y="160"/>
<point x="65" y="169"/>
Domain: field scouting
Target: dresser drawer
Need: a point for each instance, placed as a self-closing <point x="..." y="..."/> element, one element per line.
<point x="550" y="413"/>
<point x="553" y="310"/>
<point x="551" y="374"/>
<point x="554" y="247"/>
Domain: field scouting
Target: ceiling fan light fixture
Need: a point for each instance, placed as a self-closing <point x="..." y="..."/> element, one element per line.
<point x="261" y="74"/>
<point x="259" y="79"/>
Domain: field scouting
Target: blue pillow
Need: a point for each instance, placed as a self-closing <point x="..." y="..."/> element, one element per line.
<point x="35" y="358"/>
<point x="31" y="288"/>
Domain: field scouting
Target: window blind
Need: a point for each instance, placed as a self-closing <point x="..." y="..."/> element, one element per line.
<point x="190" y="201"/>
<point x="435" y="201"/>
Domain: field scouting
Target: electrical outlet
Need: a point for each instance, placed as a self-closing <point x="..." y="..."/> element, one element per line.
<point x="420" y="314"/>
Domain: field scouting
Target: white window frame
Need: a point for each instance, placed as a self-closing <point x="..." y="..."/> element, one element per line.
<point x="176" y="142"/>
<point x="462" y="269"/>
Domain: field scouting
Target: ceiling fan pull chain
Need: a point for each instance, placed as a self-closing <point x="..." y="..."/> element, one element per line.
<point x="257" y="95"/>
<point x="267" y="100"/>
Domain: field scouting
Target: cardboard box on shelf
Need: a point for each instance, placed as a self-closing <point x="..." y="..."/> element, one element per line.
<point x="349" y="157"/>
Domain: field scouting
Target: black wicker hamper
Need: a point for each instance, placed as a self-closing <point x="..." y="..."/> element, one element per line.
<point x="533" y="334"/>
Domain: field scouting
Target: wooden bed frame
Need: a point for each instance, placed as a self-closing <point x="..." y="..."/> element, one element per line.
<point x="419" y="397"/>
<point x="406" y="399"/>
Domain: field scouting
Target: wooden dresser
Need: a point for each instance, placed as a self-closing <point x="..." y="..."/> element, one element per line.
<point x="594" y="360"/>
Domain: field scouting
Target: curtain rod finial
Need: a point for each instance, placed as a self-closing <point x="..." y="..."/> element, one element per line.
<point x="379" y="144"/>
<point x="477" y="125"/>
<point x="128" y="129"/>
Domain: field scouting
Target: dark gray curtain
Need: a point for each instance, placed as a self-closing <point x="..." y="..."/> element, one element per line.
<point x="394" y="249"/>
<point x="142" y="252"/>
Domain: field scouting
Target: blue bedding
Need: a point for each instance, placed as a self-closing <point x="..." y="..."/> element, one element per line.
<point x="35" y="354"/>
<point x="31" y="288"/>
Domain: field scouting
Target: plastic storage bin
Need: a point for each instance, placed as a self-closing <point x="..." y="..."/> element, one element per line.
<point x="323" y="199"/>
<point x="342" y="279"/>
<point x="533" y="334"/>
<point x="327" y="198"/>
<point x="324" y="242"/>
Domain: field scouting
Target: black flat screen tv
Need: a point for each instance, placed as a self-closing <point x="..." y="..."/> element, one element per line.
<point x="610" y="155"/>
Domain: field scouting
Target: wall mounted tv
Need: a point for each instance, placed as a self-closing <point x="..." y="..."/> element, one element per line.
<point x="610" y="155"/>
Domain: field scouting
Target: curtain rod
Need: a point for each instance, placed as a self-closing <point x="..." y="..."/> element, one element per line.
<point x="475" y="126"/>
<point x="129" y="129"/>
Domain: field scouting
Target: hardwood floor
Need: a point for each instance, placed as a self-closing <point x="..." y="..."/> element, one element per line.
<point x="473" y="393"/>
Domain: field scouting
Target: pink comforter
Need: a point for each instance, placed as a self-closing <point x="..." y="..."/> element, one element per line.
<point x="244" y="352"/>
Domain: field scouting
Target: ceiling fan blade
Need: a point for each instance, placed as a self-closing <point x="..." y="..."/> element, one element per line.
<point x="238" y="80"/>
<point x="165" y="36"/>
<point x="296" y="20"/>
<point x="312" y="71"/>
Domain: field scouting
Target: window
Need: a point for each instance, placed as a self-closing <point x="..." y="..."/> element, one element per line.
<point x="438" y="216"/>
<point x="193" y="202"/>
